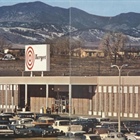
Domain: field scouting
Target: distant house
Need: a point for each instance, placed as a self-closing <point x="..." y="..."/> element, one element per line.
<point x="117" y="55"/>
<point x="88" y="52"/>
<point x="6" y="50"/>
<point x="17" y="50"/>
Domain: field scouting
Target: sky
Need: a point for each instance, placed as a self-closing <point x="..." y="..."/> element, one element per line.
<point x="96" y="7"/>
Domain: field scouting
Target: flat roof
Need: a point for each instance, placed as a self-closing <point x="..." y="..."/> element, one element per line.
<point x="63" y="80"/>
<point x="73" y="80"/>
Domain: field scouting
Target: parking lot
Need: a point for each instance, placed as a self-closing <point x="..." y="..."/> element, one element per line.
<point x="33" y="138"/>
<point x="28" y="128"/>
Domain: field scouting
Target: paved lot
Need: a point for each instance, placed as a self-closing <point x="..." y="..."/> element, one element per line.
<point x="34" y="138"/>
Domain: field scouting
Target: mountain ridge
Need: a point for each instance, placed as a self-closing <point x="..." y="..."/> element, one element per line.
<point x="34" y="22"/>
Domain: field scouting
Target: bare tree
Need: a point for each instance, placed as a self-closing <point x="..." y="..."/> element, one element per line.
<point x="76" y="44"/>
<point x="62" y="46"/>
<point x="113" y="44"/>
<point x="4" y="44"/>
<point x="66" y="45"/>
<point x="51" y="43"/>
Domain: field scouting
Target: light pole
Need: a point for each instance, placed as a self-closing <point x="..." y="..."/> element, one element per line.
<point x="132" y="71"/>
<point x="22" y="72"/>
<point x="119" y="92"/>
<point x="58" y="94"/>
<point x="129" y="72"/>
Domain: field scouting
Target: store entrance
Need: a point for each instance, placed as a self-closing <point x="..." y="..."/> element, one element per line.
<point x="61" y="98"/>
<point x="61" y="106"/>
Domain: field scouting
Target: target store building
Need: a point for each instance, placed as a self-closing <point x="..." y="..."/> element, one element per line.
<point x="90" y="95"/>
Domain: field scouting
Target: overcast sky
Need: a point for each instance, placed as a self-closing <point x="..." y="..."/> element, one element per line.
<point x="96" y="7"/>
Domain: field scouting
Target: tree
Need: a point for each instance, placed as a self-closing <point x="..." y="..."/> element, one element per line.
<point x="76" y="44"/>
<point x="51" y="43"/>
<point x="113" y="44"/>
<point x="62" y="46"/>
<point x="4" y="44"/>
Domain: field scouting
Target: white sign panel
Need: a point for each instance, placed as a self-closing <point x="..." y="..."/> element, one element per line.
<point x="37" y="57"/>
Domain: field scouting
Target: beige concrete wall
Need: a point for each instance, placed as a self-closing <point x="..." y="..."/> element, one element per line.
<point x="60" y="80"/>
<point x="114" y="80"/>
<point x="12" y="97"/>
<point x="81" y="106"/>
<point x="109" y="101"/>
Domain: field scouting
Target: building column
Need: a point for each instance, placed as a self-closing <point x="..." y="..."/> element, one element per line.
<point x="47" y="95"/>
<point x="6" y="88"/>
<point x="138" y="105"/>
<point x="12" y="98"/>
<point x="115" y="105"/>
<point x="90" y="97"/>
<point x="26" y="88"/>
<point x="126" y="104"/>
<point x="137" y="102"/>
<point x="110" y="105"/>
<point x="131" y="105"/>
<point x="70" y="100"/>
<point x="100" y="104"/>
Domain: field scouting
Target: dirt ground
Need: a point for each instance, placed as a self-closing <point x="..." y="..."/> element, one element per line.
<point x="72" y="66"/>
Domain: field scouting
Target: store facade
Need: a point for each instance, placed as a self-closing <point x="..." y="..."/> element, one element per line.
<point x="81" y="95"/>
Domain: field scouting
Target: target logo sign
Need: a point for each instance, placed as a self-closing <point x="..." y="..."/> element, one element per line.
<point x="37" y="57"/>
<point x="30" y="58"/>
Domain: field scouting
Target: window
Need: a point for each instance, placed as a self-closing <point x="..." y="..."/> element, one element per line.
<point x="64" y="123"/>
<point x="119" y="135"/>
<point x="112" y="136"/>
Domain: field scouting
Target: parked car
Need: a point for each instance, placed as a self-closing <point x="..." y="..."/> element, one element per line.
<point x="50" y="131"/>
<point x="26" y="114"/>
<point x="100" y="130"/>
<point x="85" y="125"/>
<point x="6" y="131"/>
<point x="106" y="127"/>
<point x="44" y="120"/>
<point x="88" y="124"/>
<point x="10" y="113"/>
<point x="94" y="121"/>
<point x="55" y="116"/>
<point x="73" y="135"/>
<point x="91" y="120"/>
<point x="104" y="119"/>
<point x="92" y="137"/>
<point x="65" y="126"/>
<point x="12" y="121"/>
<point x="5" y="118"/>
<point x="28" y="122"/>
<point x="137" y="135"/>
<point x="131" y="137"/>
<point x="115" y="136"/>
<point x="66" y="118"/>
<point x="8" y="57"/>
<point x="135" y="128"/>
<point x="132" y="125"/>
<point x="37" y="131"/>
<point x="20" y="130"/>
<point x="44" y="130"/>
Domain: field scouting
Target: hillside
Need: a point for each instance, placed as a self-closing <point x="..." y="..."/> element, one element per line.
<point x="36" y="22"/>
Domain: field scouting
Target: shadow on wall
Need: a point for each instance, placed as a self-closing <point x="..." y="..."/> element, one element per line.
<point x="84" y="91"/>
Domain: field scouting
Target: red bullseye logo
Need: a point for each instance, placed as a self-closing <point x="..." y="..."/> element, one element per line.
<point x="30" y="58"/>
